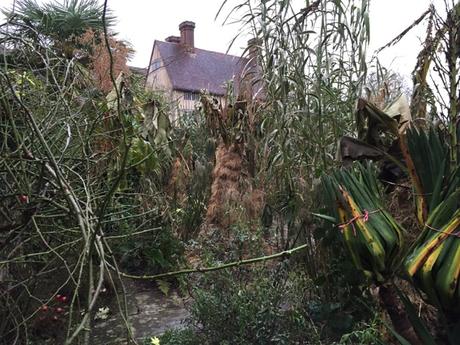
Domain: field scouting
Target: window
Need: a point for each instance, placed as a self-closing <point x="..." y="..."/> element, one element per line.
<point x="191" y="96"/>
<point x="156" y="64"/>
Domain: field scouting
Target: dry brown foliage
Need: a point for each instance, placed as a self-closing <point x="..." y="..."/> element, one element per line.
<point x="177" y="182"/>
<point x="225" y="186"/>
<point x="401" y="206"/>
<point x="232" y="196"/>
<point x="99" y="58"/>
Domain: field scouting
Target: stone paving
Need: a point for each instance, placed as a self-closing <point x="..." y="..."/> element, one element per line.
<point x="151" y="313"/>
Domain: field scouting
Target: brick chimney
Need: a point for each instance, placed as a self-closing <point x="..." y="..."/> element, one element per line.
<point x="173" y="39"/>
<point x="252" y="84"/>
<point x="186" y="35"/>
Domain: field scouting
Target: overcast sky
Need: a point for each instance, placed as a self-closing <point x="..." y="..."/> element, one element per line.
<point x="142" y="21"/>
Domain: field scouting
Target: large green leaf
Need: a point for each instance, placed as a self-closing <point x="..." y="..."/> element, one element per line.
<point x="431" y="161"/>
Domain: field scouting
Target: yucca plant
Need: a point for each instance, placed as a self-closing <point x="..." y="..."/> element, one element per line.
<point x="434" y="262"/>
<point x="374" y="239"/>
<point x="433" y="175"/>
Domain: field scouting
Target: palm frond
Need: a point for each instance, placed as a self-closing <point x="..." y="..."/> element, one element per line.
<point x="64" y="20"/>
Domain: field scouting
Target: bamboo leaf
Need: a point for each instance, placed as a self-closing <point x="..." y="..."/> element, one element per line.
<point x="325" y="217"/>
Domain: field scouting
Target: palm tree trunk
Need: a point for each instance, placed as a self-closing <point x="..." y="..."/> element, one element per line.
<point x="225" y="187"/>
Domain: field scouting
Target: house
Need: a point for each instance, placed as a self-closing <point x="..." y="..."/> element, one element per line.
<point x="182" y="70"/>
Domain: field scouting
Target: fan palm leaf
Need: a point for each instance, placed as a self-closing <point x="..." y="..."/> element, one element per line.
<point x="59" y="21"/>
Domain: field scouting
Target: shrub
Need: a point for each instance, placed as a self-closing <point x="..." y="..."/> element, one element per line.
<point x="185" y="336"/>
<point x="233" y="309"/>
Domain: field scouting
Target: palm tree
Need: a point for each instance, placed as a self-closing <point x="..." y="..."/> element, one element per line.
<point x="58" y="24"/>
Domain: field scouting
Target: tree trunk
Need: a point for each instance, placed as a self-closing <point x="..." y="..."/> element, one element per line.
<point x="398" y="315"/>
<point x="225" y="186"/>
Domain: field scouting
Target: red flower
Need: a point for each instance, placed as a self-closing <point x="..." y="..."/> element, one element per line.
<point x="44" y="307"/>
<point x="58" y="297"/>
<point x="23" y="199"/>
<point x="59" y="310"/>
<point x="63" y="299"/>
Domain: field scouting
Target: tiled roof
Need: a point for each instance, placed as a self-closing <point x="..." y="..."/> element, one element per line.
<point x="199" y="70"/>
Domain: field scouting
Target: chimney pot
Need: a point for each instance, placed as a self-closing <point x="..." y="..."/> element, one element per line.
<point x="187" y="38"/>
<point x="173" y="39"/>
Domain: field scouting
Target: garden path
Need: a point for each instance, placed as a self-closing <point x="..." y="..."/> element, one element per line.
<point x="150" y="312"/>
